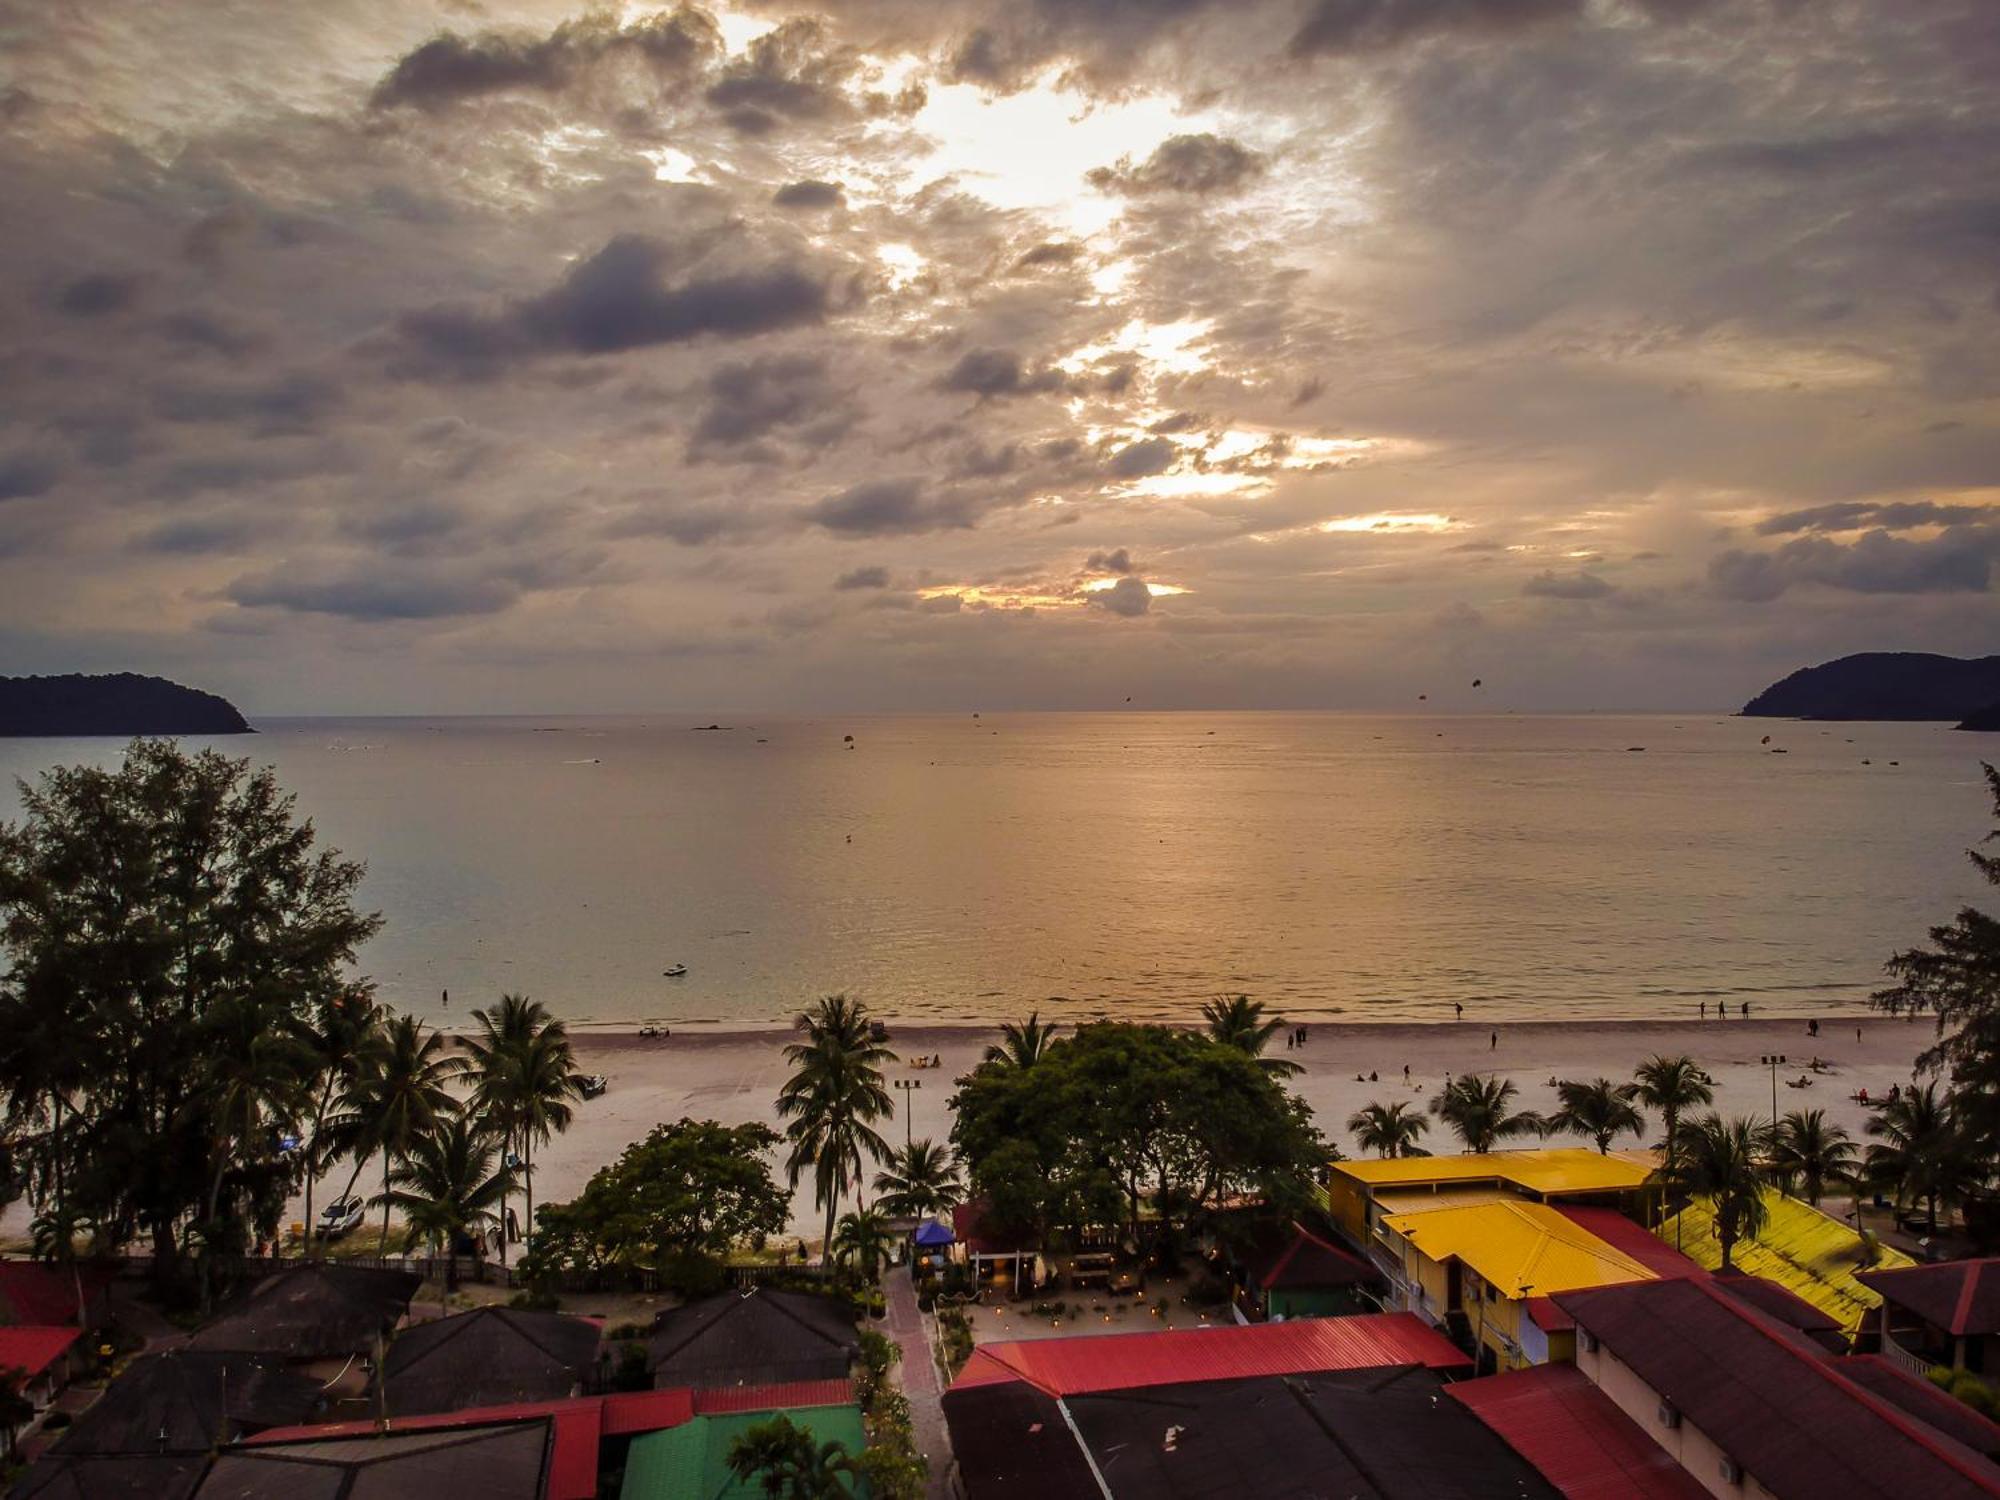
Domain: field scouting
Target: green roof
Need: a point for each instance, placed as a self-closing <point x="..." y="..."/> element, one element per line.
<point x="691" y="1461"/>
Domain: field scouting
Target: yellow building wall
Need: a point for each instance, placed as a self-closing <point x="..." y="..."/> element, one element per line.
<point x="1347" y="1202"/>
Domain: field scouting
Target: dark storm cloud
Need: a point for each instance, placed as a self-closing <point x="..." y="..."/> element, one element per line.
<point x="377" y="593"/>
<point x="1853" y="515"/>
<point x="670" y="46"/>
<point x="1335" y="27"/>
<point x="993" y="373"/>
<point x="623" y="297"/>
<point x="1049" y="253"/>
<point x="795" y="73"/>
<point x="97" y="293"/>
<point x="1139" y="460"/>
<point x="1202" y="165"/>
<point x="1119" y="561"/>
<point x="1959" y="560"/>
<point x="285" y="404"/>
<point x="1128" y="597"/>
<point x="24" y="475"/>
<point x="749" y="399"/>
<point x="1578" y="585"/>
<point x="863" y="578"/>
<point x="809" y="194"/>
<point x="890" y="507"/>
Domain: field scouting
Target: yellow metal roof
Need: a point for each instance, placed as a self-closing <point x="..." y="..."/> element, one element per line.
<point x="1523" y="1249"/>
<point x="1560" y="1170"/>
<point x="1429" y="1198"/>
<point x="1804" y="1250"/>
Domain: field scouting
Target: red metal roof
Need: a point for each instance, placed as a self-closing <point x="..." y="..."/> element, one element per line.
<point x="34" y="1293"/>
<point x="631" y="1412"/>
<point x="578" y="1426"/>
<point x="790" y="1396"/>
<point x="35" y="1348"/>
<point x="1621" y="1234"/>
<point x="1575" y="1435"/>
<point x="1127" y="1361"/>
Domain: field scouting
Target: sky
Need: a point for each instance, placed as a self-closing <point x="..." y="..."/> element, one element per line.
<point x="428" y="356"/>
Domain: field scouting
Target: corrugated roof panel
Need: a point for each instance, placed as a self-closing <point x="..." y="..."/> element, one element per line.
<point x="1575" y="1435"/>
<point x="1802" y="1249"/>
<point x="1557" y="1170"/>
<point x="793" y="1395"/>
<point x="34" y="1348"/>
<point x="1127" y="1361"/>
<point x="578" y="1426"/>
<point x="1519" y="1247"/>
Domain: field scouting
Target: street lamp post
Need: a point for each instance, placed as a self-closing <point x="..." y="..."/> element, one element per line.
<point x="1773" y="1061"/>
<point x="906" y="1084"/>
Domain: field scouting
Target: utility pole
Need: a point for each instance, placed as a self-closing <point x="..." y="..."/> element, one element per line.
<point x="907" y="1084"/>
<point x="1773" y="1061"/>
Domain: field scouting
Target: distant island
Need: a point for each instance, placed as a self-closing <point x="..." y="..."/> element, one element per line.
<point x="118" y="703"/>
<point x="1888" y="685"/>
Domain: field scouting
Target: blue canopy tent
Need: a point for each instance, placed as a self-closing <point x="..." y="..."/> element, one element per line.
<point x="932" y="1235"/>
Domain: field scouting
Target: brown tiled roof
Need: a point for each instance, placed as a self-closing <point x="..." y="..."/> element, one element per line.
<point x="1960" y="1296"/>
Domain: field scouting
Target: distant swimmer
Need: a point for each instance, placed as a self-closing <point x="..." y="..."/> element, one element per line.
<point x="1475" y="682"/>
<point x="1704" y="1010"/>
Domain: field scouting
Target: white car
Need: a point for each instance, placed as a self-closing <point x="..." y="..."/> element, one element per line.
<point x="340" y="1216"/>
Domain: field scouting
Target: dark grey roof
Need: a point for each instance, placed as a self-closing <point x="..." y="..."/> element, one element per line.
<point x="1366" y="1434"/>
<point x="124" y="1476"/>
<point x="503" y="1462"/>
<point x="492" y="1357"/>
<point x="752" y="1338"/>
<point x="188" y="1401"/>
<point x="312" y="1312"/>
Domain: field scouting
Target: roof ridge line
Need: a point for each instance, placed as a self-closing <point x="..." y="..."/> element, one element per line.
<point x="1896" y="1417"/>
<point x="1962" y="1308"/>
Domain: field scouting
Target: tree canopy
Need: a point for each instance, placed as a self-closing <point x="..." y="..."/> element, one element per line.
<point x="690" y="1188"/>
<point x="153" y="916"/>
<point x="1119" y="1117"/>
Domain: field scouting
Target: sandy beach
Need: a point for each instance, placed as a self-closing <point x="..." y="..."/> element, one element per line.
<point x="734" y="1076"/>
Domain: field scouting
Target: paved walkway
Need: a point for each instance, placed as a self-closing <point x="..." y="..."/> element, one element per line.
<point x="918" y="1375"/>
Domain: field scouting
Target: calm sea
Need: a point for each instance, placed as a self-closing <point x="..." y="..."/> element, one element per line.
<point x="1133" y="864"/>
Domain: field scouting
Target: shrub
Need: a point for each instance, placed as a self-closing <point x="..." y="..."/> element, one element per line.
<point x="533" y="1301"/>
<point x="630" y="1374"/>
<point x="692" y="1277"/>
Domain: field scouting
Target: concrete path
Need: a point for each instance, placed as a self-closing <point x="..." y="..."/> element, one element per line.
<point x="919" y="1377"/>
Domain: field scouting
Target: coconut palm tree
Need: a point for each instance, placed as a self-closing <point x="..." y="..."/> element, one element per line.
<point x="1673" y="1086"/>
<point x="526" y="1083"/>
<point x="919" y="1180"/>
<point x="1600" y="1109"/>
<point x="1809" y="1153"/>
<point x="401" y="1092"/>
<point x="833" y="1099"/>
<point x="449" y="1181"/>
<point x="1723" y="1161"/>
<point x="1480" y="1111"/>
<point x="862" y="1239"/>
<point x="258" y="1081"/>
<point x="1920" y="1155"/>
<point x="1022" y="1044"/>
<point x="1238" y="1021"/>
<point x="341" y="1038"/>
<point x="788" y="1465"/>
<point x="1388" y="1129"/>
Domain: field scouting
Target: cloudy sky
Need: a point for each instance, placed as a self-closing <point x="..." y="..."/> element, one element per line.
<point x="463" y="355"/>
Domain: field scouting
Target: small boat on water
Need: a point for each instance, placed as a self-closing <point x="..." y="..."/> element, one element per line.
<point x="678" y="971"/>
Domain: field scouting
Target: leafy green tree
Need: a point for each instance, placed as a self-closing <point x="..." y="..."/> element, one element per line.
<point x="919" y="1180"/>
<point x="1810" y="1154"/>
<point x="1238" y="1021"/>
<point x="1673" y="1086"/>
<point x="1022" y="1043"/>
<point x="787" y="1464"/>
<point x="143" y="910"/>
<point x="692" y="1188"/>
<point x="1957" y="982"/>
<point x="16" y="1410"/>
<point x="862" y="1239"/>
<point x="1118" y="1116"/>
<point x="525" y="1081"/>
<point x="1921" y="1154"/>
<point x="448" y="1182"/>
<point x="1480" y="1111"/>
<point x="1601" y="1110"/>
<point x="833" y="1100"/>
<point x="1388" y="1129"/>
<point x="402" y="1092"/>
<point x="1723" y="1161"/>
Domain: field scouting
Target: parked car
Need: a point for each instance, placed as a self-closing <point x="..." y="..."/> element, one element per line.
<point x="592" y="1085"/>
<point x="339" y="1217"/>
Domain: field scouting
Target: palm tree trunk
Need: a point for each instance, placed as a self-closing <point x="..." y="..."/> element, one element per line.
<point x="527" y="1187"/>
<point x="382" y="1245"/>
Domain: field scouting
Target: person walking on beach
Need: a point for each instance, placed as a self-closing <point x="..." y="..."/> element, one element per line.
<point x="1493" y="1042"/>
<point x="1460" y="1008"/>
<point x="1704" y="1010"/>
<point x="1406" y="1074"/>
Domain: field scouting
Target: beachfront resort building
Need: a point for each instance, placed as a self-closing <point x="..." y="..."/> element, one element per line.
<point x="1360" y="1194"/>
<point x="1945" y="1314"/>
